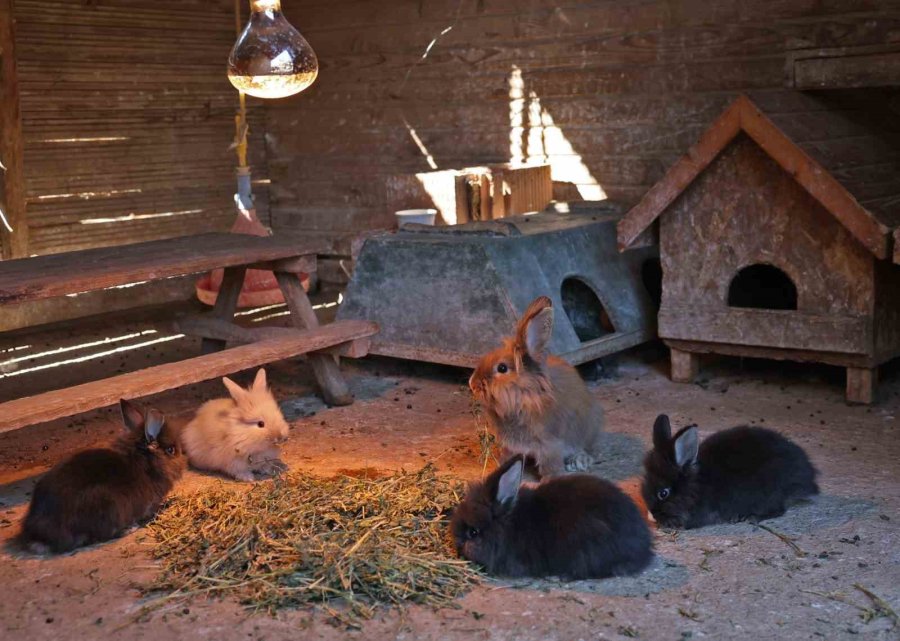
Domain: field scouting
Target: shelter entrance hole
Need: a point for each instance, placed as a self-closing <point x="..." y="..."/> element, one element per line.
<point x="762" y="287"/>
<point x="585" y="311"/>
<point x="651" y="276"/>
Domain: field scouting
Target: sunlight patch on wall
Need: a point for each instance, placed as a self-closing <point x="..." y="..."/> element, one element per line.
<point x="130" y="217"/>
<point x="94" y="139"/>
<point x="535" y="138"/>
<point x="516" y="116"/>
<point x="87" y="195"/>
<point x="421" y="145"/>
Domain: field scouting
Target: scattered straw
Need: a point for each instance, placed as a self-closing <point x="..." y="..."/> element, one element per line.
<point x="882" y="607"/>
<point x="486" y="439"/>
<point x="867" y="614"/>
<point x="787" y="540"/>
<point x="300" y="539"/>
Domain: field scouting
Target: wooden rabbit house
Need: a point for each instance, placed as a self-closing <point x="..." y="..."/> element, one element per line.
<point x="776" y="234"/>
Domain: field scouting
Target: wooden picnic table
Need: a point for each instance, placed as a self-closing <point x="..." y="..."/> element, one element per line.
<point x="40" y="277"/>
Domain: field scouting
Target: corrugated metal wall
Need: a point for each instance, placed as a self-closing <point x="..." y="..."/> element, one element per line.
<point x="127" y="116"/>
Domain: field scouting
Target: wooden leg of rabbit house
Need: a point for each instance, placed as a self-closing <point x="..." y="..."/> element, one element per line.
<point x="861" y="382"/>
<point x="685" y="365"/>
<point x="325" y="366"/>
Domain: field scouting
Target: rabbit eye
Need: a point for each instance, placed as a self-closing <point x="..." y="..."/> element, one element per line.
<point x="170" y="450"/>
<point x="261" y="424"/>
<point x="502" y="368"/>
<point x="663" y="494"/>
<point x="472" y="533"/>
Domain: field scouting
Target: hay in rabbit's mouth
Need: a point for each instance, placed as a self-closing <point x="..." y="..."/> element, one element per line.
<point x="349" y="544"/>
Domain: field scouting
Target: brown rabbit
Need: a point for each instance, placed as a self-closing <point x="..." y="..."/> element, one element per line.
<point x="537" y="403"/>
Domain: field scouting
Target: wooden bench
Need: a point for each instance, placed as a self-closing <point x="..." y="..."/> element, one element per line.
<point x="56" y="275"/>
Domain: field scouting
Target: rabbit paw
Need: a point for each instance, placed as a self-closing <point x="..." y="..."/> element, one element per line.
<point x="270" y="467"/>
<point x="244" y="476"/>
<point x="579" y="462"/>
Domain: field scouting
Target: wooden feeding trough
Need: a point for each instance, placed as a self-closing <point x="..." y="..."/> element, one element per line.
<point x="775" y="236"/>
<point x="476" y="193"/>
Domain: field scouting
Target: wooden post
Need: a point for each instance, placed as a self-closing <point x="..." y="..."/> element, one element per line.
<point x="325" y="367"/>
<point x="861" y="383"/>
<point x="12" y="181"/>
<point x="685" y="365"/>
<point x="226" y="304"/>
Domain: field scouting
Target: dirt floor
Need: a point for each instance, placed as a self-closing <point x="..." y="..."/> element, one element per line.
<point x="735" y="581"/>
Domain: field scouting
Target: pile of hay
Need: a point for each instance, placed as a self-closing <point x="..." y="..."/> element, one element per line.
<point x="301" y="539"/>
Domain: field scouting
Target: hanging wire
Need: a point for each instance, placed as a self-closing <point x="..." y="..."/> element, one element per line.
<point x="241" y="129"/>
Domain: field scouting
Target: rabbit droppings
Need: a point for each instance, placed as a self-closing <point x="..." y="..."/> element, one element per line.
<point x="537" y="403"/>
<point x="239" y="435"/>
<point x="97" y="494"/>
<point x="576" y="526"/>
<point x="736" y="474"/>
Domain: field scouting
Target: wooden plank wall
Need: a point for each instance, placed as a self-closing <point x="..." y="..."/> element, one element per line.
<point x="622" y="88"/>
<point x="127" y="116"/>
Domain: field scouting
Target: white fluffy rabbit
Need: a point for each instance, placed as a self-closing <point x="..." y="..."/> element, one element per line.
<point x="239" y="435"/>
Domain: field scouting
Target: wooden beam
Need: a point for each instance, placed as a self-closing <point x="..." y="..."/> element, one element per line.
<point x="325" y="367"/>
<point x="81" y="398"/>
<point x="12" y="184"/>
<point x="295" y="265"/>
<point x="781" y="329"/>
<point x="773" y="353"/>
<point x="92" y="269"/>
<point x="844" y="67"/>
<point x="226" y="304"/>
<point x="209" y="327"/>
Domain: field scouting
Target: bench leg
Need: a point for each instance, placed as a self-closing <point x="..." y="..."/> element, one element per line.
<point x="685" y="365"/>
<point x="325" y="367"/>
<point x="226" y="304"/>
<point x="861" y="382"/>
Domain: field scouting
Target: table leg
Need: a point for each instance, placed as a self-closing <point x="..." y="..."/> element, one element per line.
<point x="325" y="367"/>
<point x="226" y="304"/>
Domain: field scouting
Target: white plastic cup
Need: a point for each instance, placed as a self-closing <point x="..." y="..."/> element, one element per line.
<point x="421" y="216"/>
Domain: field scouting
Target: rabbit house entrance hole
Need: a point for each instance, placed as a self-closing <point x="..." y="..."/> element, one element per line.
<point x="651" y="276"/>
<point x="585" y="311"/>
<point x="762" y="287"/>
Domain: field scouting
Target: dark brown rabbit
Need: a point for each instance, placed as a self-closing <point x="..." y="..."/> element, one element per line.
<point x="576" y="526"/>
<point x="537" y="403"/>
<point x="98" y="494"/>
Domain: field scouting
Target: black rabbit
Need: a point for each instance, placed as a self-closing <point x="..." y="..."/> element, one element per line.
<point x="742" y="473"/>
<point x="98" y="494"/>
<point x="576" y="527"/>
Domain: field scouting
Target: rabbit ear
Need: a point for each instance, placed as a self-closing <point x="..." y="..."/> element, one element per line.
<point x="155" y="422"/>
<point x="662" y="432"/>
<point x="687" y="446"/>
<point x="535" y="328"/>
<point x="259" y="383"/>
<point x="237" y="392"/>
<point x="509" y="482"/>
<point x="132" y="415"/>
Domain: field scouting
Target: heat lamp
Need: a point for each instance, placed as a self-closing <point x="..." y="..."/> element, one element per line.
<point x="270" y="60"/>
